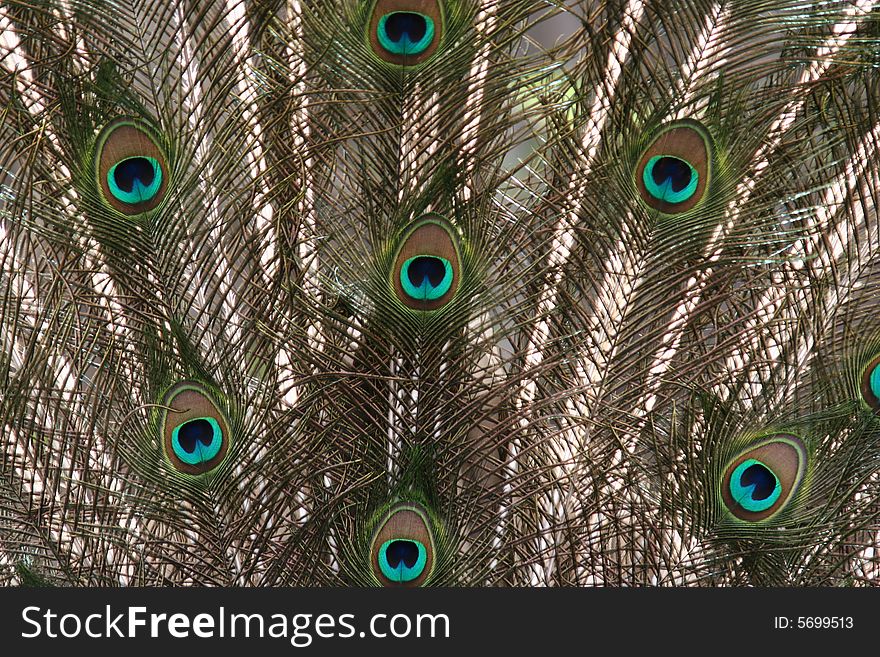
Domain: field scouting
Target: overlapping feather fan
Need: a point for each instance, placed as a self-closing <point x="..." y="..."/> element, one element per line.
<point x="439" y="292"/>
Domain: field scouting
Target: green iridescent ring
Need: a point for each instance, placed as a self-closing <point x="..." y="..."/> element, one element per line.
<point x="671" y="172"/>
<point x="191" y="447"/>
<point x="762" y="487"/>
<point x="402" y="560"/>
<point x="141" y="177"/>
<point x="396" y="28"/>
<point x="426" y="277"/>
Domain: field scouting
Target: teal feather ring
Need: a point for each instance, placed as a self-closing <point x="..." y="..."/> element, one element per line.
<point x="673" y="173"/>
<point x="426" y="270"/>
<point x="760" y="481"/>
<point x="195" y="432"/>
<point x="405" y="32"/>
<point x="131" y="168"/>
<point x="403" y="549"/>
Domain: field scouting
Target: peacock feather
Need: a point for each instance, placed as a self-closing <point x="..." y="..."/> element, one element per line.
<point x="440" y="292"/>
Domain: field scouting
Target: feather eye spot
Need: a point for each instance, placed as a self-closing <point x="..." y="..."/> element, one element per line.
<point x="759" y="482"/>
<point x="425" y="277"/>
<point x="405" y="32"/>
<point x="402" y="560"/>
<point x="669" y="179"/>
<point x="402" y="552"/>
<point x="131" y="168"/>
<point x="427" y="267"/>
<point x="197" y="441"/>
<point x="673" y="172"/>
<point x="870" y="386"/>
<point x="195" y="431"/>
<point x="754" y="487"/>
<point x="135" y="180"/>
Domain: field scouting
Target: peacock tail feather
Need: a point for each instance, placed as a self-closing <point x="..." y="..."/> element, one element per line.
<point x="439" y="292"/>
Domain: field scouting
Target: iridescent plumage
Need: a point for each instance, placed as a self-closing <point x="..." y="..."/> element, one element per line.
<point x="439" y="292"/>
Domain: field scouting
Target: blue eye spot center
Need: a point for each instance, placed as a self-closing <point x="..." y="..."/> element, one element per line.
<point x="135" y="179"/>
<point x="761" y="478"/>
<point x="406" y="25"/>
<point x="402" y="560"/>
<point x="197" y="441"/>
<point x="426" y="277"/>
<point x="402" y="552"/>
<point x="193" y="433"/>
<point x="426" y="268"/>
<point x="671" y="169"/>
<point x="670" y="179"/>
<point x="133" y="171"/>
<point x="754" y="486"/>
<point x="405" y="32"/>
